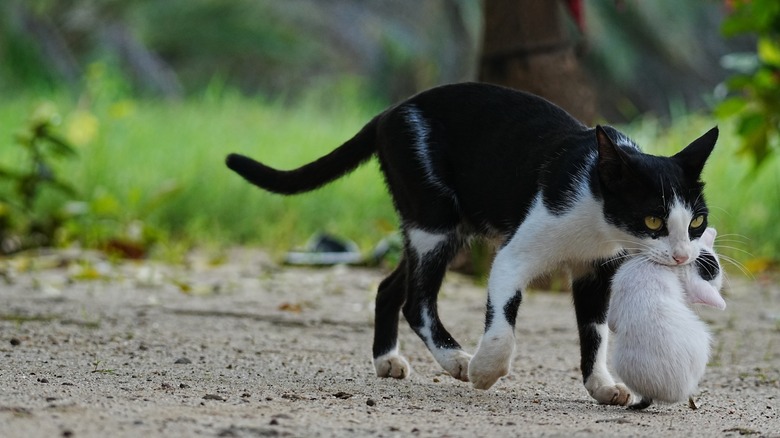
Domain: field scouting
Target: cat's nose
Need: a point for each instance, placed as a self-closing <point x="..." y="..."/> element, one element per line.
<point x="680" y="259"/>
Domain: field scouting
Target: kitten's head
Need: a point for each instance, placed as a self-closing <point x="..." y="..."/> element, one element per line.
<point x="657" y="201"/>
<point x="703" y="279"/>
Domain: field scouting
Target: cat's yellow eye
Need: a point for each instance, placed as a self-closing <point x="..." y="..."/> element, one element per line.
<point x="654" y="223"/>
<point x="697" y="221"/>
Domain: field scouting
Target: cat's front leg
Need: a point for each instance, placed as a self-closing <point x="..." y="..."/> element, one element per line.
<point x="591" y="302"/>
<point x="599" y="382"/>
<point x="494" y="353"/>
<point x="496" y="348"/>
<point x="392" y="364"/>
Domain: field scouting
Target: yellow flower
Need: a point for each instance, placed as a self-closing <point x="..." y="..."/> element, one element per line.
<point x="121" y="109"/>
<point x="82" y="128"/>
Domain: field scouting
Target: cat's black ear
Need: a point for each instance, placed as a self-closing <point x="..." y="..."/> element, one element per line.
<point x="693" y="157"/>
<point x="612" y="161"/>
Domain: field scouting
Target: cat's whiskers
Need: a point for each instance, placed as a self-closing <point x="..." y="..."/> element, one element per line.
<point x="709" y="265"/>
<point x="733" y="238"/>
<point x="638" y="248"/>
<point x="737" y="264"/>
<point x="644" y="256"/>
<point x="700" y="208"/>
<point x="732" y="241"/>
<point x="663" y="192"/>
<point x="719" y="245"/>
<point x="631" y="244"/>
<point x="733" y="260"/>
<point x="732" y="234"/>
<point x="620" y="257"/>
<point x="721" y="209"/>
<point x="734" y="248"/>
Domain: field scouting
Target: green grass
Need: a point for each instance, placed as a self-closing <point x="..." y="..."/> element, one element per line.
<point x="158" y="145"/>
<point x="163" y="144"/>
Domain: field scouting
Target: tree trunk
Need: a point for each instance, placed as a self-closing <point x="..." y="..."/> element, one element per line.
<point x="526" y="46"/>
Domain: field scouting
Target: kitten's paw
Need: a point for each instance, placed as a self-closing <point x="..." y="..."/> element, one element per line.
<point x="617" y="394"/>
<point x="391" y="365"/>
<point x="456" y="362"/>
<point x="492" y="359"/>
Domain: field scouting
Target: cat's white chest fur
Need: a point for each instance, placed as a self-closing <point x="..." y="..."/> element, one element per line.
<point x="661" y="347"/>
<point x="568" y="244"/>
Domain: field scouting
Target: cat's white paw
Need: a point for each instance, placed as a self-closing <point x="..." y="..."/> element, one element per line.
<point x="492" y="359"/>
<point x="391" y="365"/>
<point x="456" y="362"/>
<point x="617" y="394"/>
<point x="602" y="387"/>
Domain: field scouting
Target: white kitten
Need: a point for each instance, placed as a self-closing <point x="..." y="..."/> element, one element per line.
<point x="661" y="347"/>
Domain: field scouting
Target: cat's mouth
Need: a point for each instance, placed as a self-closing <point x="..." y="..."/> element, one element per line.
<point x="665" y="259"/>
<point x="673" y="260"/>
<point x="682" y="259"/>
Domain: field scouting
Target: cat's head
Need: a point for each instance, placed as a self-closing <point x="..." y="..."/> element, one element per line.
<point x="656" y="201"/>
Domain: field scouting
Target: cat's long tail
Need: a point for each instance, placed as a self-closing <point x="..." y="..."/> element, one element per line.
<point x="330" y="167"/>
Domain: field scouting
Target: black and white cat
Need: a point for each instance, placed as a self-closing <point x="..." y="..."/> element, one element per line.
<point x="471" y="159"/>
<point x="660" y="346"/>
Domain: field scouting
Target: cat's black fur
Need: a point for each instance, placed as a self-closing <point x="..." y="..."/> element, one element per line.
<point x="472" y="159"/>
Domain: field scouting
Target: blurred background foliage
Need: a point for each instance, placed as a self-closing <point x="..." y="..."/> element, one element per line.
<point x="151" y="95"/>
<point x="393" y="47"/>
<point x="756" y="103"/>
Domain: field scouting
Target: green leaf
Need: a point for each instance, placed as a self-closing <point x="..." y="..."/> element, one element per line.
<point x="750" y="123"/>
<point x="9" y="174"/>
<point x="60" y="146"/>
<point x="738" y="82"/>
<point x="167" y="190"/>
<point x="105" y="205"/>
<point x="730" y="107"/>
<point x="63" y="187"/>
<point x="769" y="51"/>
<point x="755" y="142"/>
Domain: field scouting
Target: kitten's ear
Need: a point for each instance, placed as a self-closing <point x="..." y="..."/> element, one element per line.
<point x="693" y="157"/>
<point x="701" y="292"/>
<point x="612" y="162"/>
<point x="708" y="237"/>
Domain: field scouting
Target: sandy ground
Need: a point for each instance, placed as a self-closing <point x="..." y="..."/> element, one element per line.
<point x="244" y="348"/>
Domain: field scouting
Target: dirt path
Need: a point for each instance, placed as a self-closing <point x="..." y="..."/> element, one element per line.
<point x="245" y="349"/>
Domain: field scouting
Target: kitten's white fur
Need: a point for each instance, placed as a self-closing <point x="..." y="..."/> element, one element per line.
<point x="661" y="347"/>
<point x="698" y="290"/>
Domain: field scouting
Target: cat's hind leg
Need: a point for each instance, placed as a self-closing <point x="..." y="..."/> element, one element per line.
<point x="411" y="152"/>
<point x="388" y="362"/>
<point x="429" y="254"/>
<point x="591" y="301"/>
